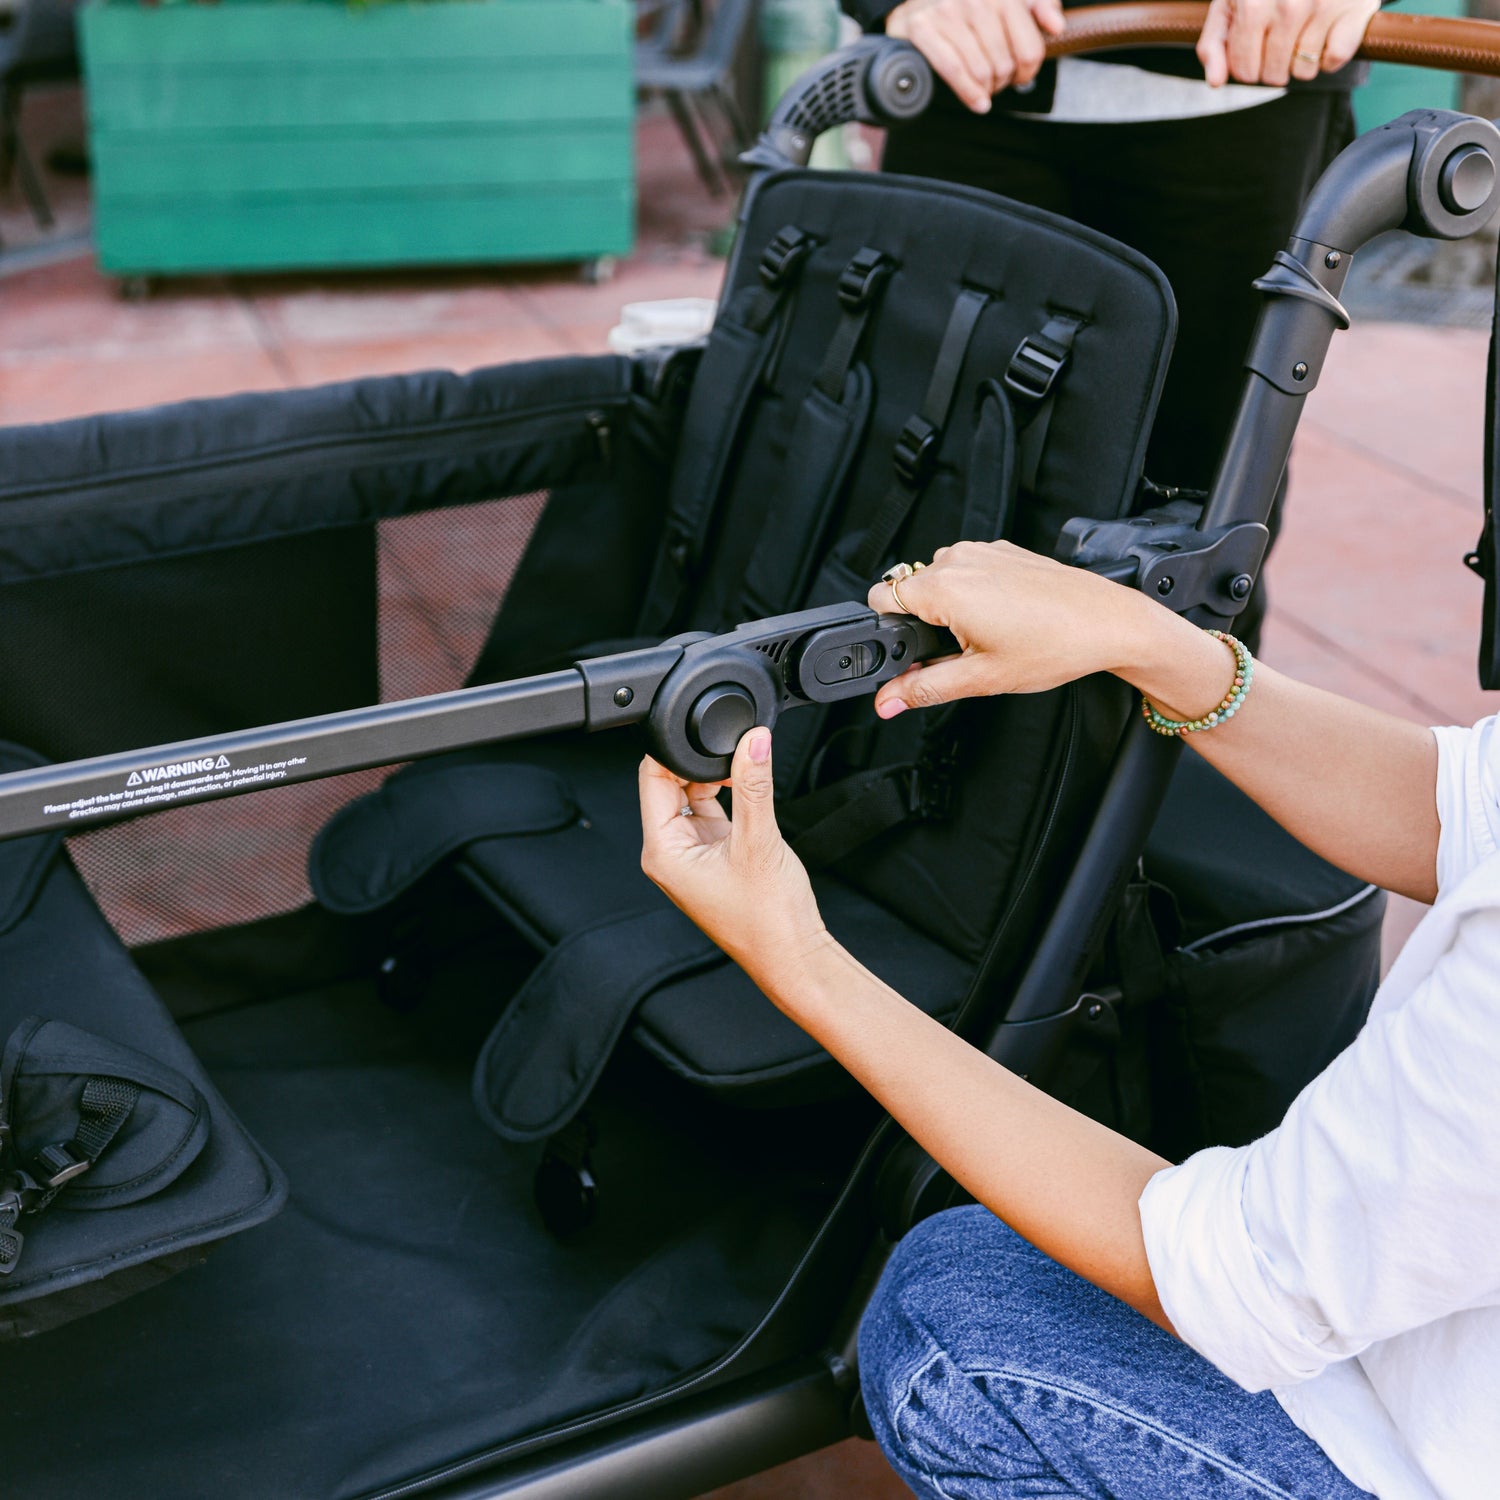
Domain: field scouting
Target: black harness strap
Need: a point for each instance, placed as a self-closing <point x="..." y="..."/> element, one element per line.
<point x="860" y="284"/>
<point x="824" y="444"/>
<point x="990" y="485"/>
<point x="830" y="823"/>
<point x="1031" y="379"/>
<point x="921" y="437"/>
<point x="740" y="358"/>
<point x="836" y="820"/>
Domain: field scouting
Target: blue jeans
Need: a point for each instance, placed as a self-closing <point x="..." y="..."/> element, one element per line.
<point x="990" y="1372"/>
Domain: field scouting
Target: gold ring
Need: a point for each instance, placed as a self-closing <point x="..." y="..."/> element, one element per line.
<point x="894" y="595"/>
<point x="1305" y="57"/>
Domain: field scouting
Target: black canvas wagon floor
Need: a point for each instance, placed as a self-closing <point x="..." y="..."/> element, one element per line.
<point x="408" y="1307"/>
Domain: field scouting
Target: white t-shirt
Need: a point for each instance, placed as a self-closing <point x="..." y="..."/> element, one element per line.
<point x="1349" y="1261"/>
<point x="1091" y="91"/>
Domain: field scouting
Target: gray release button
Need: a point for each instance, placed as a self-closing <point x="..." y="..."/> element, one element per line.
<point x="846" y="663"/>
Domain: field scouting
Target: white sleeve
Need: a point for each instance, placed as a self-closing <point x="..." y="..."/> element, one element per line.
<point x="1370" y="1210"/>
<point x="1466" y="787"/>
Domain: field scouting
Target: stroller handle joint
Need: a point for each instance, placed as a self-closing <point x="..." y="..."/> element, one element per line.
<point x="697" y="694"/>
<point x="1432" y="173"/>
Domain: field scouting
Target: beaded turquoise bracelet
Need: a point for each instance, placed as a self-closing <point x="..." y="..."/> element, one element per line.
<point x="1244" y="672"/>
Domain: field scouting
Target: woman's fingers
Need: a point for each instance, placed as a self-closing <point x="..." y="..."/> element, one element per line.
<point x="916" y="597"/>
<point x="1049" y="16"/>
<point x="1213" y="44"/>
<point x="990" y="34"/>
<point x="1248" y="23"/>
<point x="938" y="682"/>
<point x="1284" y="37"/>
<point x="947" y="41"/>
<point x="1028" y="48"/>
<point x="753" y="832"/>
<point x="1307" y="55"/>
<point x="953" y="51"/>
<point x="663" y="797"/>
<point x="1345" y="34"/>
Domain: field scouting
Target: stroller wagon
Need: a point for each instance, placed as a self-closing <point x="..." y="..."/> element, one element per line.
<point x="514" y="1185"/>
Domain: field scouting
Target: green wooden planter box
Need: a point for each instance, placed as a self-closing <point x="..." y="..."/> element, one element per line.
<point x="1392" y="89"/>
<point x="285" y="134"/>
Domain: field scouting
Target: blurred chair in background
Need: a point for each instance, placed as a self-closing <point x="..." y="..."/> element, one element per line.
<point x="685" y="51"/>
<point x="39" y="46"/>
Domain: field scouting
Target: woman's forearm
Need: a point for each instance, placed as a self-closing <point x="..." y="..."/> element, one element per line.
<point x="1065" y="1182"/>
<point x="1352" y="783"/>
<point x="1356" y="785"/>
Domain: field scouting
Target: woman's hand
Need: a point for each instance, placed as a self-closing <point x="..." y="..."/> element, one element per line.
<point x="736" y="878"/>
<point x="979" y="47"/>
<point x="1271" y="41"/>
<point x="1026" y="624"/>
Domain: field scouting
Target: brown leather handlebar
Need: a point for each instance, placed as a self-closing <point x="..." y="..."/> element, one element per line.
<point x="1455" y="45"/>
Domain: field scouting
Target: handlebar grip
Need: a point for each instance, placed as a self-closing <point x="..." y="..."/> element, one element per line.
<point x="884" y="81"/>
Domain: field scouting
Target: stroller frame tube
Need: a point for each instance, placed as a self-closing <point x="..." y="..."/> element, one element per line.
<point x="698" y="694"/>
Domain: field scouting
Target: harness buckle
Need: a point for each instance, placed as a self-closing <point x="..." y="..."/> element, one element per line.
<point x="916" y="451"/>
<point x="1034" y="367"/>
<point x="58" y="1164"/>
<point x="929" y="786"/>
<point x="787" y="250"/>
<point x="862" y="278"/>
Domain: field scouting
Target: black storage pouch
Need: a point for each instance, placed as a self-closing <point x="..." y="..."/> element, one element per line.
<point x="45" y="1074"/>
<point x="175" y="1172"/>
<point x="1272" y="957"/>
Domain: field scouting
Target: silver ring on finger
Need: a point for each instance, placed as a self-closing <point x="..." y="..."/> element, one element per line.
<point x="1307" y="57"/>
<point x="686" y="810"/>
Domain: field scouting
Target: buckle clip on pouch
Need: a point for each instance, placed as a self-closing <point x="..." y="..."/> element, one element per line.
<point x="85" y="1124"/>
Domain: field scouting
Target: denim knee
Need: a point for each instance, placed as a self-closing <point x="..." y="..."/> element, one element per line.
<point x="914" y="1313"/>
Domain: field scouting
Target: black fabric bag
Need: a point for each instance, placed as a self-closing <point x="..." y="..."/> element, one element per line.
<point x="1271" y="960"/>
<point x="119" y="1162"/>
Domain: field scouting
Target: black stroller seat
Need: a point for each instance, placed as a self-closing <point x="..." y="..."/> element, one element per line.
<point x="897" y="364"/>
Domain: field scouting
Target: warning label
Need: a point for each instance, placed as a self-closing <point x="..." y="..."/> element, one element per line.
<point x="176" y="781"/>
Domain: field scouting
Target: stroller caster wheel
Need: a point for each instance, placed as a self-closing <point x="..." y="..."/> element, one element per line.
<point x="599" y="271"/>
<point x="136" y="288"/>
<point x="567" y="1197"/>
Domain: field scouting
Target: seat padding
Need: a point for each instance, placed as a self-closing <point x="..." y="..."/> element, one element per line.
<point x="712" y="1027"/>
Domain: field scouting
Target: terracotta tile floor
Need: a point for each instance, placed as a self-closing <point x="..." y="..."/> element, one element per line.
<point x="1370" y="596"/>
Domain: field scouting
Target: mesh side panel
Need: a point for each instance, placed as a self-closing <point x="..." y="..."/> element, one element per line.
<point x="442" y="575"/>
